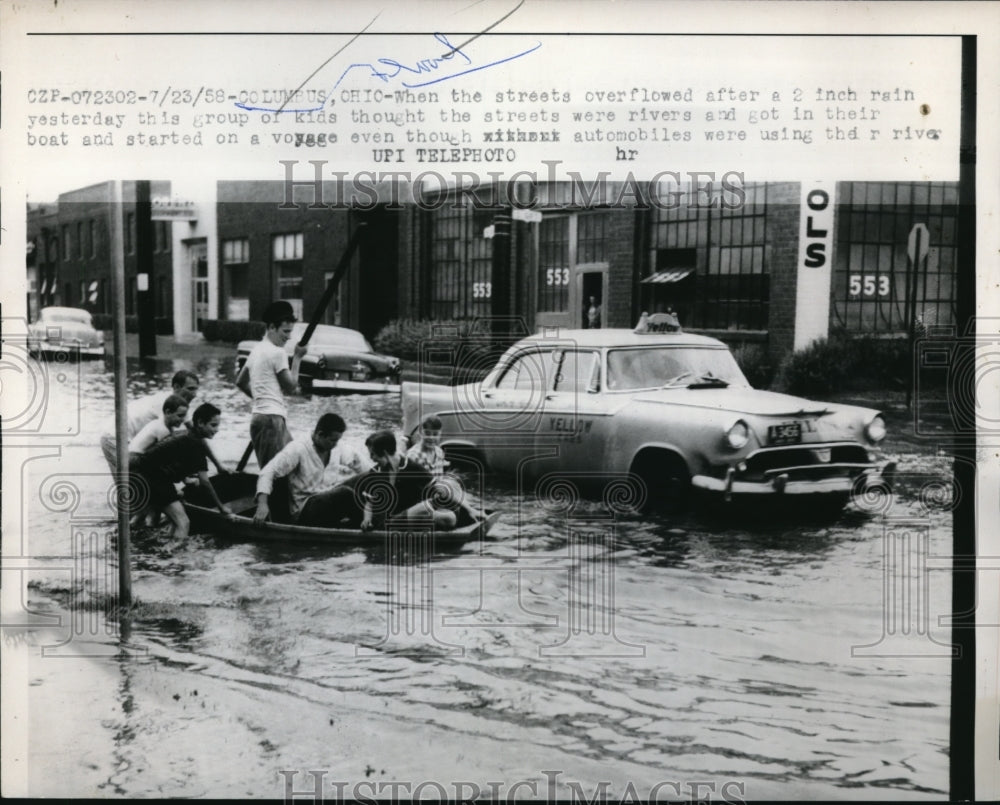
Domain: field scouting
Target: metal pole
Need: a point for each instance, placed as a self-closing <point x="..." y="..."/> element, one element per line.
<point x="144" y="268"/>
<point x="500" y="272"/>
<point x="912" y="279"/>
<point x="121" y="398"/>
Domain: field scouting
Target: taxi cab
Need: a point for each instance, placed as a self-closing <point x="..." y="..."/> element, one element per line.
<point x="670" y="408"/>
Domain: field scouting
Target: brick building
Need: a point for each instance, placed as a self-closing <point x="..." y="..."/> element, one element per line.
<point x="776" y="264"/>
<point x="744" y="268"/>
<point x="267" y="252"/>
<point x="70" y="241"/>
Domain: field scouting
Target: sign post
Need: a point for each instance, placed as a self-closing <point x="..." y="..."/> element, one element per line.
<point x="814" y="273"/>
<point x="917" y="246"/>
<point x="121" y="403"/>
<point x="144" y="254"/>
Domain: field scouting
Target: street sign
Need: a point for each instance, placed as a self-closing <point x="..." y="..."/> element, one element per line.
<point x="919" y="241"/>
<point x="173" y="209"/>
<point x="528" y="216"/>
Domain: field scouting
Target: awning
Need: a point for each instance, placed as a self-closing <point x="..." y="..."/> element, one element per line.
<point x="666" y="276"/>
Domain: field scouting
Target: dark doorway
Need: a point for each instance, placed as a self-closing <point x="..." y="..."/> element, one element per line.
<point x="378" y="289"/>
<point x="592" y="300"/>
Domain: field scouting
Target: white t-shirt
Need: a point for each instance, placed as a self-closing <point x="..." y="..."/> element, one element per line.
<point x="264" y="363"/>
<point x="150" y="434"/>
<point x="146" y="410"/>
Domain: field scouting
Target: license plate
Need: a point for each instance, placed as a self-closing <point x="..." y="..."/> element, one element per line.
<point x="789" y="433"/>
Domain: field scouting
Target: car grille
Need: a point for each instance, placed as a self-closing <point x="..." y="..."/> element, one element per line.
<point x="815" y="460"/>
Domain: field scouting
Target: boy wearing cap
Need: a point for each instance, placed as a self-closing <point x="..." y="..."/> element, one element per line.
<point x="266" y="378"/>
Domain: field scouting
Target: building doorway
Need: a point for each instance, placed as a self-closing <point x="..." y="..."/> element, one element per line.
<point x="572" y="266"/>
<point x="591" y="300"/>
<point x="377" y="301"/>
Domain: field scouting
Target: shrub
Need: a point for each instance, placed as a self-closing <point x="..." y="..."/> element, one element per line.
<point x="752" y="359"/>
<point x="231" y="332"/>
<point x="102" y="321"/>
<point x="843" y="363"/>
<point x="105" y="321"/>
<point x="468" y="352"/>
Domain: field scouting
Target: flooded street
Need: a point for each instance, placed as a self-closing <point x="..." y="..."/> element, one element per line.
<point x="574" y="650"/>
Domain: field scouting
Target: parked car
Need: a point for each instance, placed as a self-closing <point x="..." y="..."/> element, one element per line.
<point x="670" y="408"/>
<point x="66" y="331"/>
<point x="338" y="361"/>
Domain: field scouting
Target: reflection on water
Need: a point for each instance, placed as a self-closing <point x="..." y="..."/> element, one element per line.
<point x="708" y="647"/>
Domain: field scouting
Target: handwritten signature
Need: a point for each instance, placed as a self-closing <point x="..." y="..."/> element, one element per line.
<point x="422" y="73"/>
<point x="430" y="65"/>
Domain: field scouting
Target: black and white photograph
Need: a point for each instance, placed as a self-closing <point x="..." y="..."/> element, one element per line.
<point x="500" y="401"/>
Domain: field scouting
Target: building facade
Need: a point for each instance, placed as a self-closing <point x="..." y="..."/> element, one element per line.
<point x="71" y="241"/>
<point x="272" y="250"/>
<point x="775" y="263"/>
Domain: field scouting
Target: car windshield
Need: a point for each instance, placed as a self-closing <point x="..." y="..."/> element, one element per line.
<point x="65" y="316"/>
<point x="654" y="367"/>
<point x="328" y="335"/>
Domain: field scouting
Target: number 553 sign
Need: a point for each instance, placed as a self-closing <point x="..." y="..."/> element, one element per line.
<point x="868" y="285"/>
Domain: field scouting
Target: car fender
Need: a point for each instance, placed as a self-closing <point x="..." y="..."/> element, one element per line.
<point x="659" y="446"/>
<point x="421" y="399"/>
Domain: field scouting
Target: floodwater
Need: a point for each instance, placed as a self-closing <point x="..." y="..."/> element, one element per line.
<point x="570" y="653"/>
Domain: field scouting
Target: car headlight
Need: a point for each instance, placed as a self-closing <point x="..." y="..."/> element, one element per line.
<point x="875" y="430"/>
<point x="738" y="434"/>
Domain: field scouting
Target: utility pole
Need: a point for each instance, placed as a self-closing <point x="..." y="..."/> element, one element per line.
<point x="121" y="399"/>
<point x="500" y="273"/>
<point x="144" y="265"/>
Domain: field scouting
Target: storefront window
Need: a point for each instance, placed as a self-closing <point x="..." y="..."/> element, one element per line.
<point x="873" y="276"/>
<point x="236" y="278"/>
<point x="287" y="255"/>
<point x="553" y="264"/>
<point x="460" y="282"/>
<point x="709" y="263"/>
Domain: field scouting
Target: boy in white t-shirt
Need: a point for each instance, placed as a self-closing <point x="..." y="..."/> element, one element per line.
<point x="175" y="410"/>
<point x="141" y="412"/>
<point x="266" y="377"/>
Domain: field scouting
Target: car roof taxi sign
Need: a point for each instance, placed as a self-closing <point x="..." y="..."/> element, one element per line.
<point x="658" y="323"/>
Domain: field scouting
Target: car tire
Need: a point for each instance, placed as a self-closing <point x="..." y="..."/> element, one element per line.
<point x="668" y="483"/>
<point x="828" y="506"/>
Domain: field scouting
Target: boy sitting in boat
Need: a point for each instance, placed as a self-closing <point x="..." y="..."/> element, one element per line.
<point x="304" y="462"/>
<point x="395" y="488"/>
<point x="173" y="459"/>
<point x="428" y="454"/>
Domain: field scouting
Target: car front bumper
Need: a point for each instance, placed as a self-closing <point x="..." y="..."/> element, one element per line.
<point x="846" y="479"/>
<point x="46" y="348"/>
<point x="321" y="385"/>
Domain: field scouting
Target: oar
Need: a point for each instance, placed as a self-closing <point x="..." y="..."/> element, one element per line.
<point x="244" y="458"/>
<point x="331" y="286"/>
<point x="324" y="300"/>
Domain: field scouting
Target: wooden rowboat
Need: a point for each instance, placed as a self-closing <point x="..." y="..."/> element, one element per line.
<point x="237" y="490"/>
